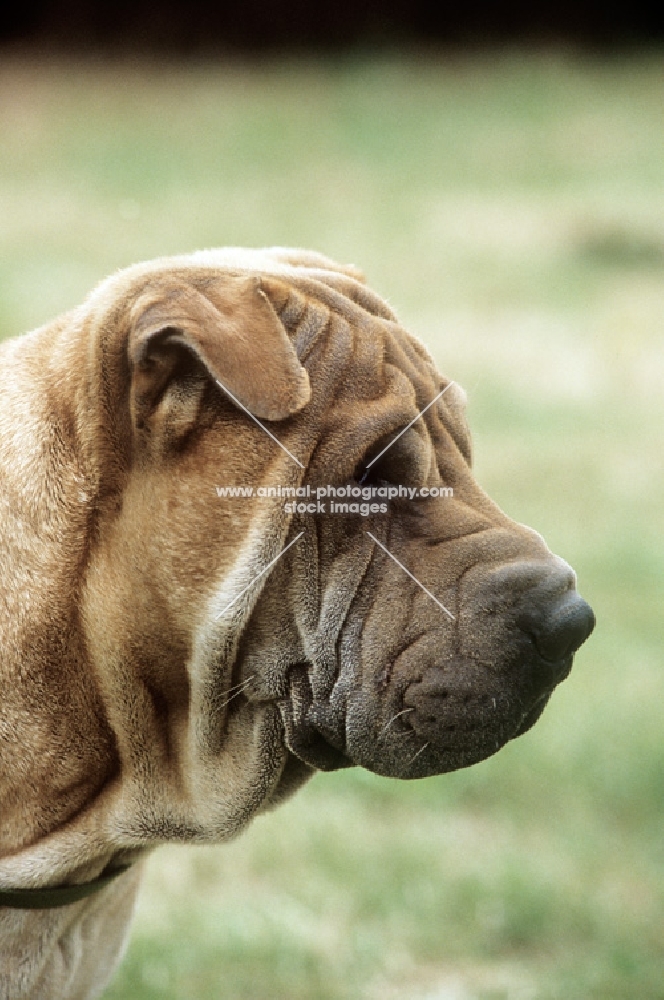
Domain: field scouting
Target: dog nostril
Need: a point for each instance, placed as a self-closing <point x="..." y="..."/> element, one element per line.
<point x="562" y="632"/>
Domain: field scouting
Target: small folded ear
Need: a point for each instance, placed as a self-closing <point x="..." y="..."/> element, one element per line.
<point x="232" y="330"/>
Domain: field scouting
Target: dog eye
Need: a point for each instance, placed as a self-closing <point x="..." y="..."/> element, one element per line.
<point x="374" y="472"/>
<point x="399" y="460"/>
<point x="375" y="467"/>
<point x="368" y="477"/>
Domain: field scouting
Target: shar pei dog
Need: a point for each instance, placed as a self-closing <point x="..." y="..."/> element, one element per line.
<point x="240" y="542"/>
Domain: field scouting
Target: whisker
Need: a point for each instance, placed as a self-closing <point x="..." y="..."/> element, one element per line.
<point x="413" y="759"/>
<point x="394" y="717"/>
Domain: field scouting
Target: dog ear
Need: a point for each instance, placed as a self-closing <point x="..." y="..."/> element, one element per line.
<point x="235" y="333"/>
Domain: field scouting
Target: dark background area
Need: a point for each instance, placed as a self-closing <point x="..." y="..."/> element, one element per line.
<point x="201" y="25"/>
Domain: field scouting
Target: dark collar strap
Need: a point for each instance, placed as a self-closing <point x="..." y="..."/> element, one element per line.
<point x="61" y="895"/>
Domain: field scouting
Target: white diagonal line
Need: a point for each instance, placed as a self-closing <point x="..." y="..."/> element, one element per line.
<point x="413" y="759"/>
<point x="408" y="426"/>
<point x="258" y="576"/>
<point x="256" y="420"/>
<point x="236" y="691"/>
<point x="408" y="572"/>
<point x="393" y="719"/>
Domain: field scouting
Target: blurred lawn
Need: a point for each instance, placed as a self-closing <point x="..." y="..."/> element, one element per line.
<point x="512" y="210"/>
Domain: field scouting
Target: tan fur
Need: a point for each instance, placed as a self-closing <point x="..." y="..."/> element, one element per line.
<point x="118" y="729"/>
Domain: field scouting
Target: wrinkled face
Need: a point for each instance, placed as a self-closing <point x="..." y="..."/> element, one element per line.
<point x="388" y="615"/>
<point x="424" y="629"/>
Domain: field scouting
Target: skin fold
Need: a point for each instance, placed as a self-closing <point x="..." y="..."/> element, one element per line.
<point x="159" y="684"/>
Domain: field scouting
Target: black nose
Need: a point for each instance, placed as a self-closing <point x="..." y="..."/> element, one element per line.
<point x="561" y="629"/>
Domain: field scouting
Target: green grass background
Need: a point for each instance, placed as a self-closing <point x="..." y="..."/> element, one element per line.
<point x="511" y="208"/>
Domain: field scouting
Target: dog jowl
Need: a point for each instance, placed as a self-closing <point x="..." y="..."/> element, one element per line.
<point x="176" y="658"/>
<point x="423" y="638"/>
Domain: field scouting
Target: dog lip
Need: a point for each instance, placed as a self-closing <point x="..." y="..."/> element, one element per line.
<point x="531" y="716"/>
<point x="456" y="749"/>
<point x="305" y="734"/>
<point x="460" y="710"/>
<point x="551" y="672"/>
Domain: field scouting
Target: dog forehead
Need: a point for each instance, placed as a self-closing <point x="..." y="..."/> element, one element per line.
<point x="288" y="264"/>
<point x="306" y="290"/>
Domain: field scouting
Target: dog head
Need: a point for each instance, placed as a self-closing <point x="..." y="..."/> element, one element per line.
<point x="369" y="590"/>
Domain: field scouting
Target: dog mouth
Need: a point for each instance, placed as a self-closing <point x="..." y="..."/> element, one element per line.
<point x="406" y="735"/>
<point x="531" y="716"/>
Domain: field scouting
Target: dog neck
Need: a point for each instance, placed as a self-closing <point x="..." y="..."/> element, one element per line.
<point x="56" y="896"/>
